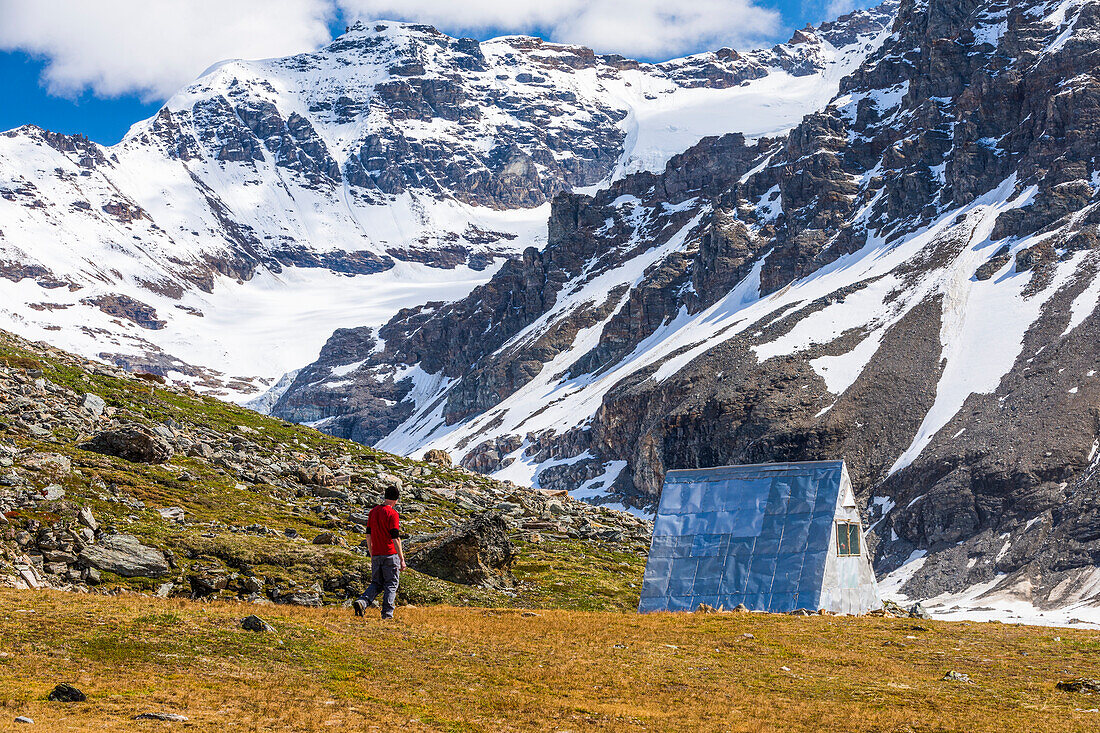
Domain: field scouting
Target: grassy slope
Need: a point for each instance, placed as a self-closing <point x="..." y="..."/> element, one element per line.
<point x="559" y="572"/>
<point x="463" y="669"/>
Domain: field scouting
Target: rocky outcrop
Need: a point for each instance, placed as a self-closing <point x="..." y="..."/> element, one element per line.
<point x="235" y="473"/>
<point x="476" y="553"/>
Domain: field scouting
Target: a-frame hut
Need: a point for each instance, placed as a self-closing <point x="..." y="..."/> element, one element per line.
<point x="775" y="537"/>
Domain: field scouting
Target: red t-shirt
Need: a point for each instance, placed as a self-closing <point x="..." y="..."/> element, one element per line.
<point x="383" y="523"/>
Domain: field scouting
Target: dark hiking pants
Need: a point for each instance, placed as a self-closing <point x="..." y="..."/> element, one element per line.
<point x="385" y="572"/>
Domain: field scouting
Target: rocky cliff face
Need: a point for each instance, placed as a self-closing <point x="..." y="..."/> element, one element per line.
<point x="907" y="280"/>
<point x="395" y="162"/>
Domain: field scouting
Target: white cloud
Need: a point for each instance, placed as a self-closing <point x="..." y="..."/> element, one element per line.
<point x="153" y="47"/>
<point x="837" y="8"/>
<point x="641" y="28"/>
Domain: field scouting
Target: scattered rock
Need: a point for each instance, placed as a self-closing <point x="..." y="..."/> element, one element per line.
<point x="1083" y="685"/>
<point x="327" y="538"/>
<point x="475" y="553"/>
<point x="301" y="598"/>
<point x="205" y="583"/>
<point x="251" y="584"/>
<point x="53" y="464"/>
<point x="124" y="555"/>
<point x="53" y="492"/>
<point x="706" y="608"/>
<point x="995" y="263"/>
<point x="919" y="611"/>
<point x="171" y="513"/>
<point x="24" y="719"/>
<point x="93" y="404"/>
<point x="438" y="457"/>
<point x="740" y="608"/>
<point x="167" y="717"/>
<point x="255" y="623"/>
<point x="319" y="475"/>
<point x="954" y="676"/>
<point x="132" y="444"/>
<point x="65" y="692"/>
<point x="88" y="519"/>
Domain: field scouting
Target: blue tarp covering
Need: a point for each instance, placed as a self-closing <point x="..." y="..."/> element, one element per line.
<point x="757" y="535"/>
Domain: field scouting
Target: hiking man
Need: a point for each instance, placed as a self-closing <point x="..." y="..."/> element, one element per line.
<point x="387" y="559"/>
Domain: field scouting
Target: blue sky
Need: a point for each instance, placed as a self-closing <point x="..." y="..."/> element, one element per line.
<point x="42" y="80"/>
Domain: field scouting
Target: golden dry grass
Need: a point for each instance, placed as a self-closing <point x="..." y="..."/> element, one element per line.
<point x="464" y="669"/>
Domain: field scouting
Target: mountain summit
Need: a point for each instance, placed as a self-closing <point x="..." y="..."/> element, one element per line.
<point x="273" y="201"/>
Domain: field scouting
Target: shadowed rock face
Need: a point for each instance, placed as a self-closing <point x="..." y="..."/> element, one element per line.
<point x="907" y="280"/>
<point x="475" y="553"/>
<point x="132" y="444"/>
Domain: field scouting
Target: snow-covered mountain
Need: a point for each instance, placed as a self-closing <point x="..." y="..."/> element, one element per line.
<point x="908" y="279"/>
<point x="272" y="201"/>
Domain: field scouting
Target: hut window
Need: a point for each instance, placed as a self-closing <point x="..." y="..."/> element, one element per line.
<point x="847" y="539"/>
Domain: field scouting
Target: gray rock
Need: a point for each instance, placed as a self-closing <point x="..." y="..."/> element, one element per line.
<point x="301" y="598"/>
<point x="53" y="492"/>
<point x="53" y="464"/>
<point x="954" y="676"/>
<point x="124" y="555"/>
<point x="1083" y="685"/>
<point x="171" y="513"/>
<point x="59" y="556"/>
<point x="327" y="538"/>
<point x="93" y="404"/>
<point x="209" y="582"/>
<point x="166" y="717"/>
<point x="131" y="444"/>
<point x="919" y="611"/>
<point x="24" y="719"/>
<point x="88" y="519"/>
<point x="475" y="553"/>
<point x="255" y="623"/>
<point x="326" y="492"/>
<point x="251" y="584"/>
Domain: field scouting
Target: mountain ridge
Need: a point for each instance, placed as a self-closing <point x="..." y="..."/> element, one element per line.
<point x="398" y="158"/>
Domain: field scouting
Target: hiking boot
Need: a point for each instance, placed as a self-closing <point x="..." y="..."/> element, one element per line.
<point x="359" y="605"/>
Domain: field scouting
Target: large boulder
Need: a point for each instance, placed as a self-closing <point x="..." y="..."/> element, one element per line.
<point x="132" y="444"/>
<point x="124" y="555"/>
<point x="475" y="553"/>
